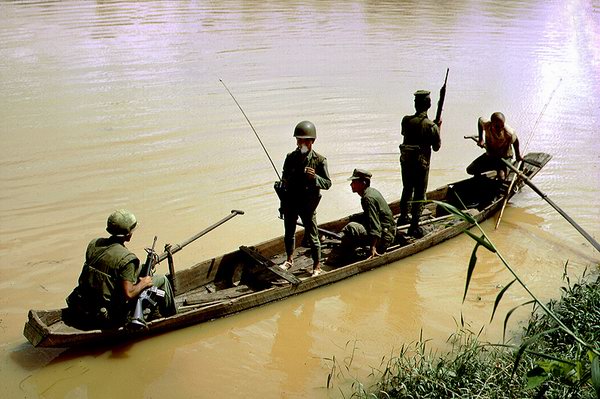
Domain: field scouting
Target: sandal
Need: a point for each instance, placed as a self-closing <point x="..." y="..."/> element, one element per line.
<point x="287" y="265"/>
<point x="316" y="272"/>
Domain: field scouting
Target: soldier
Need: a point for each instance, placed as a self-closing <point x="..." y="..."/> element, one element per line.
<point x="500" y="139"/>
<point x="304" y="175"/>
<point x="421" y="135"/>
<point x="109" y="283"/>
<point x="378" y="230"/>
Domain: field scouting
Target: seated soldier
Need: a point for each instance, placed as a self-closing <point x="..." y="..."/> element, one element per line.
<point x="109" y="284"/>
<point x="378" y="230"/>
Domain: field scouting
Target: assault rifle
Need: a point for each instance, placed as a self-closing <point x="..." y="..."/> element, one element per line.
<point x="440" y="105"/>
<point x="146" y="301"/>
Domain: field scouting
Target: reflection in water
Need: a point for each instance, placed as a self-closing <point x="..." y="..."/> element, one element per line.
<point x="114" y="104"/>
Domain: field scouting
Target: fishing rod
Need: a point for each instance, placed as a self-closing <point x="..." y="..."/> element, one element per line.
<point x="514" y="178"/>
<point x="541" y="114"/>
<point x="254" y="130"/>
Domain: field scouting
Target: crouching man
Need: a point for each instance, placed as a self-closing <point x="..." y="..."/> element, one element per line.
<point x="378" y="229"/>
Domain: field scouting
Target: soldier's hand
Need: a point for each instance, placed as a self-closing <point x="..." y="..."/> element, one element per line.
<point x="310" y="172"/>
<point x="146" y="281"/>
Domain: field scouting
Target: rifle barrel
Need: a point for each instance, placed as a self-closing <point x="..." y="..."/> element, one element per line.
<point x="440" y="106"/>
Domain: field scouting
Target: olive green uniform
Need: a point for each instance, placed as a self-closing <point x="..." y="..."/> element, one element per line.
<point x="421" y="135"/>
<point x="302" y="195"/>
<point x="99" y="297"/>
<point x="378" y="223"/>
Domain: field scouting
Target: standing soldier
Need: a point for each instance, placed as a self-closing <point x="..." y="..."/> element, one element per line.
<point x="304" y="175"/>
<point x="421" y="135"/>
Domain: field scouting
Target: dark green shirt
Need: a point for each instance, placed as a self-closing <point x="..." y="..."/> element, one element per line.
<point x="419" y="130"/>
<point x="379" y="220"/>
<point x="295" y="180"/>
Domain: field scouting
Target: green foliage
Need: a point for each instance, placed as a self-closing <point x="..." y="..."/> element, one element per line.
<point x="555" y="359"/>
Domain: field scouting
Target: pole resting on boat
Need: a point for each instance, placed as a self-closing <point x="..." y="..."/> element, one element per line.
<point x="589" y="238"/>
<point x="176" y="248"/>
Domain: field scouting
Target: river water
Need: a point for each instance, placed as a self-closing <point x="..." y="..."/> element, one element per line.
<point x="119" y="104"/>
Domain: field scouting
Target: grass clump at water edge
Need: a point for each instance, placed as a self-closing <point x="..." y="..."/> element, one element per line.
<point x="473" y="369"/>
<point x="559" y="356"/>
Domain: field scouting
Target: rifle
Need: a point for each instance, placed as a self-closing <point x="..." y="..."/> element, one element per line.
<point x="147" y="298"/>
<point x="440" y="105"/>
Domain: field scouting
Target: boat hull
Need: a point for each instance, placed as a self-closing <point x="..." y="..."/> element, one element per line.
<point x="212" y="289"/>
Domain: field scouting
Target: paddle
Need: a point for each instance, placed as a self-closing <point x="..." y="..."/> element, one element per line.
<point x="548" y="200"/>
<point x="507" y="195"/>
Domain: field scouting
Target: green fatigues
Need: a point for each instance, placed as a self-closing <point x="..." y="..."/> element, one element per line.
<point x="378" y="222"/>
<point x="421" y="135"/>
<point x="99" y="295"/>
<point x="302" y="195"/>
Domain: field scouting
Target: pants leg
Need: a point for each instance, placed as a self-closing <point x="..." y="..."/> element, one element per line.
<point x="289" y="224"/>
<point x="166" y="305"/>
<point x="311" y="234"/>
<point x="407" y="189"/>
<point x="354" y="235"/>
<point x="421" y="178"/>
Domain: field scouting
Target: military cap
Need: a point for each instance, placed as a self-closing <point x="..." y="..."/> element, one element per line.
<point x="422" y="93"/>
<point x="360" y="174"/>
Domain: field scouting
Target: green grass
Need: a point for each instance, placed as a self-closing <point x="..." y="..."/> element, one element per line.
<point x="473" y="369"/>
<point x="559" y="354"/>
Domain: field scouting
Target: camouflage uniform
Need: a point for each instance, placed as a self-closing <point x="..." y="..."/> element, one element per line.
<point x="302" y="197"/>
<point x="421" y="135"/>
<point x="99" y="298"/>
<point x="378" y="222"/>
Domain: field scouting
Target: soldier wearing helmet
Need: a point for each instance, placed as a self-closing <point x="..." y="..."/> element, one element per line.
<point x="109" y="282"/>
<point x="421" y="135"/>
<point x="304" y="175"/>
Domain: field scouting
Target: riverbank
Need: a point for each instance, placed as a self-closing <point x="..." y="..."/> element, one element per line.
<point x="553" y="364"/>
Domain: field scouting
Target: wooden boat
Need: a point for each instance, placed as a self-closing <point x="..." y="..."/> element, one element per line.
<point x="250" y="277"/>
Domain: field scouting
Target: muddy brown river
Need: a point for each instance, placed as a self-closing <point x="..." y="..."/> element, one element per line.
<point x="118" y="104"/>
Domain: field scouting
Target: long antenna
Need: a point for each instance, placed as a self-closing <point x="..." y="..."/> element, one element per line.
<point x="254" y="130"/>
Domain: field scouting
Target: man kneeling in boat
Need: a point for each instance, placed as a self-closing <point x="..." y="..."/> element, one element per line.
<point x="378" y="229"/>
<point x="498" y="141"/>
<point x="109" y="283"/>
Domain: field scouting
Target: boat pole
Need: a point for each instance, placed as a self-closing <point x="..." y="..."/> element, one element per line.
<point x="171" y="249"/>
<point x="589" y="238"/>
<point x="254" y="130"/>
<point x="520" y="163"/>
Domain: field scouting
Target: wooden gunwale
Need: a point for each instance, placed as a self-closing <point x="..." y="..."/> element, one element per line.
<point x="46" y="328"/>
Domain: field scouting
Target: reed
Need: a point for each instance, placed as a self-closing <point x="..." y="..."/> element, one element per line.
<point x="559" y="354"/>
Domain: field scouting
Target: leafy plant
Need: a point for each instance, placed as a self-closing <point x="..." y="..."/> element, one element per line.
<point x="569" y="371"/>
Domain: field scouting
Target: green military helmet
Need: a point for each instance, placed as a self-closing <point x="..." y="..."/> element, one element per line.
<point x="121" y="223"/>
<point x="305" y="130"/>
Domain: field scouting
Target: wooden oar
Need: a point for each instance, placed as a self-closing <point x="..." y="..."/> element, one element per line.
<point x="507" y="195"/>
<point x="548" y="200"/>
<point x="523" y="151"/>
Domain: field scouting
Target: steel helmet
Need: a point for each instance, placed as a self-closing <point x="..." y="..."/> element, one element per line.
<point x="121" y="223"/>
<point x="305" y="130"/>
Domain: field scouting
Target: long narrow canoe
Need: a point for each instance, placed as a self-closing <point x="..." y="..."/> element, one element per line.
<point x="249" y="277"/>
